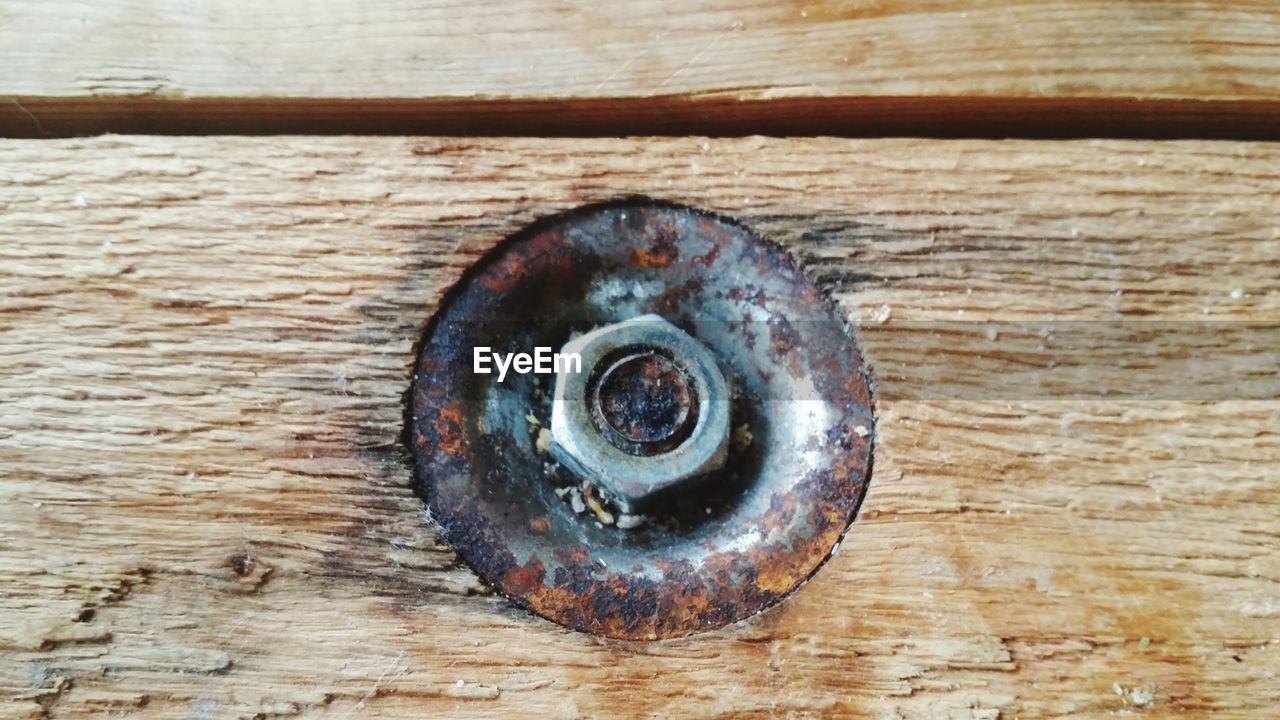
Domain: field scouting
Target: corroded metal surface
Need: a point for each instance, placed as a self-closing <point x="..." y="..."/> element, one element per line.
<point x="644" y="402"/>
<point x="739" y="542"/>
<point x="635" y="481"/>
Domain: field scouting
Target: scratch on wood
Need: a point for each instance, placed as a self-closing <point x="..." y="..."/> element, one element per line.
<point x="395" y="666"/>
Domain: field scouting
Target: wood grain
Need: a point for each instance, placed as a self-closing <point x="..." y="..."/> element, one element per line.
<point x="205" y="510"/>
<point x="641" y="66"/>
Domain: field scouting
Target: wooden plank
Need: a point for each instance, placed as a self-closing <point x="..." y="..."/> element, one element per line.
<point x="206" y="510"/>
<point x="641" y="66"/>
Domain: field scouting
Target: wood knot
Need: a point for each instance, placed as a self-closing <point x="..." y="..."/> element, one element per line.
<point x="248" y="571"/>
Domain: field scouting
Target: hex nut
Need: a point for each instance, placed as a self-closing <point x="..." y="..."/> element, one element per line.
<point x="635" y="481"/>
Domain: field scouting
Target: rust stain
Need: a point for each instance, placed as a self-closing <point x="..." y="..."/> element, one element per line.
<point x="660" y="254"/>
<point x="709" y="258"/>
<point x="449" y="426"/>
<point x="524" y="579"/>
<point x="645" y="258"/>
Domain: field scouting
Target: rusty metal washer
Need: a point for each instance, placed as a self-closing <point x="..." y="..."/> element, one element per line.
<point x="744" y="538"/>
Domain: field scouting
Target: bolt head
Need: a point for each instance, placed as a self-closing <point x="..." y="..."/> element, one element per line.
<point x="647" y="415"/>
<point x="643" y="401"/>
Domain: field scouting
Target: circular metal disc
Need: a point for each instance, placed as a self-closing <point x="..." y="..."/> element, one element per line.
<point x="739" y="542"/>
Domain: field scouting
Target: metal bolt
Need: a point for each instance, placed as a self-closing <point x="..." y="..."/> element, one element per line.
<point x="644" y="403"/>
<point x="649" y="412"/>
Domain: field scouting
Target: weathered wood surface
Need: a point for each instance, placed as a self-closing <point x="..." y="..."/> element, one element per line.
<point x="889" y="66"/>
<point x="205" y="510"/>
